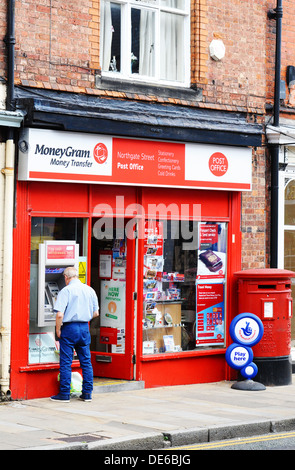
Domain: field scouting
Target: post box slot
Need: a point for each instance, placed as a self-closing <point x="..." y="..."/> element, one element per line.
<point x="268" y="286"/>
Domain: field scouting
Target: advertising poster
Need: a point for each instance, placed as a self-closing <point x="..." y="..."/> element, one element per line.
<point x="153" y="252"/>
<point x="212" y="251"/>
<point x="153" y="238"/>
<point x="210" y="314"/>
<point x="42" y="348"/>
<point x="112" y="308"/>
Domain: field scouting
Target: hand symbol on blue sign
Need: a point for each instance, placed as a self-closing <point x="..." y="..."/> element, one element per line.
<point x="248" y="330"/>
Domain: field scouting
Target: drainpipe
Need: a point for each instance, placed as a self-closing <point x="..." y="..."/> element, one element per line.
<point x="276" y="14"/>
<point x="10" y="43"/>
<point x="8" y="205"/>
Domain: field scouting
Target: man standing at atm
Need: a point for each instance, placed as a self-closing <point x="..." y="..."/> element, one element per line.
<point x="75" y="306"/>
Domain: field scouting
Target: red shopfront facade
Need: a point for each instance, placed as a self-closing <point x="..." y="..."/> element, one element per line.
<point x="156" y="226"/>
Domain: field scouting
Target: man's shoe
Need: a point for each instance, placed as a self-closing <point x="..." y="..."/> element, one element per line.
<point x="86" y="397"/>
<point x="59" y="397"/>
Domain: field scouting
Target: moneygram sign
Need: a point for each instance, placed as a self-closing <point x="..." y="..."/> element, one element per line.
<point x="47" y="155"/>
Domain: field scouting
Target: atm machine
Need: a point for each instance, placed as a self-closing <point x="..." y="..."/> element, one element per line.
<point x="54" y="257"/>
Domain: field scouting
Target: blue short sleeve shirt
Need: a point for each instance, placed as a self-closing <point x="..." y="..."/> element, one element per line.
<point x="77" y="301"/>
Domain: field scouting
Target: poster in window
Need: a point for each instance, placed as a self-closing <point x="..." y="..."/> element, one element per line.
<point x="43" y="348"/>
<point x="153" y="238"/>
<point x="105" y="264"/>
<point x="210" y="314"/>
<point x="212" y="251"/>
<point x="112" y="308"/>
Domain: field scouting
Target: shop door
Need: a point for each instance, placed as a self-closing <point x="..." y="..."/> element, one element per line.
<point x="113" y="278"/>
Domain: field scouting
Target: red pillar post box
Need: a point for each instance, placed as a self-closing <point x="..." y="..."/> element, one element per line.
<point x="267" y="294"/>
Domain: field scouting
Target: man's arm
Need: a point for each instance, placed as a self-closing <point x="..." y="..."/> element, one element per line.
<point x="58" y="323"/>
<point x="95" y="314"/>
<point x="95" y="305"/>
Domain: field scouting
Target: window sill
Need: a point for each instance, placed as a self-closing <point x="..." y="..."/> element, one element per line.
<point x="48" y="366"/>
<point x="148" y="89"/>
<point x="182" y="354"/>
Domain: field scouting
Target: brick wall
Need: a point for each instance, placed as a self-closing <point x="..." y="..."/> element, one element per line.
<point x="53" y="47"/>
<point x="255" y="218"/>
<point x="239" y="79"/>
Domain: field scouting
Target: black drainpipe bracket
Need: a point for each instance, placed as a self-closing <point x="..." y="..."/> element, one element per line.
<point x="275" y="13"/>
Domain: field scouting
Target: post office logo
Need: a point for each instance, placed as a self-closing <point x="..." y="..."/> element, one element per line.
<point x="100" y="153"/>
<point x="218" y="164"/>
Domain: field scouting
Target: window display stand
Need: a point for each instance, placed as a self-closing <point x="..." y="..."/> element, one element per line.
<point x="162" y="327"/>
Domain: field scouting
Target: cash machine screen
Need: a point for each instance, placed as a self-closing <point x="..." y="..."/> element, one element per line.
<point x="54" y="282"/>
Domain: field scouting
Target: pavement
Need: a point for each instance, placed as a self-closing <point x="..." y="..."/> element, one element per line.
<point x="127" y="416"/>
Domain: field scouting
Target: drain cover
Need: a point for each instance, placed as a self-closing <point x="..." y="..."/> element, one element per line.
<point x="82" y="438"/>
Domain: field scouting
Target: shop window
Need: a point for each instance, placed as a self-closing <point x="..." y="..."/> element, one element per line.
<point x="52" y="232"/>
<point x="146" y="40"/>
<point x="184" y="286"/>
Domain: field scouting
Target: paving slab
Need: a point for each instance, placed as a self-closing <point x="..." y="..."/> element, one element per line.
<point x="139" y="418"/>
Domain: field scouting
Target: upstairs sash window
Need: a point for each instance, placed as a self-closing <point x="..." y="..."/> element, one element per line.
<point x="146" y="40"/>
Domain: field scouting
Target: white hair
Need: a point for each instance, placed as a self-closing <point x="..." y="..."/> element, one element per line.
<point x="70" y="272"/>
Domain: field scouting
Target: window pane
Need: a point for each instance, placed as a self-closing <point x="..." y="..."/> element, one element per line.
<point x="111" y="36"/>
<point x="173" y="4"/>
<point x="142" y="42"/>
<point x="155" y="47"/>
<point x="153" y="3"/>
<point x="290" y="203"/>
<point x="171" y="53"/>
<point x="289" y="254"/>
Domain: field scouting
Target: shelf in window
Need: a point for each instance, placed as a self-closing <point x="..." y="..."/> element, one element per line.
<point x="163" y="326"/>
<point x="179" y="301"/>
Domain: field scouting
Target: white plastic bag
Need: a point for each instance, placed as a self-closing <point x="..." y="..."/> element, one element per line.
<point x="76" y="382"/>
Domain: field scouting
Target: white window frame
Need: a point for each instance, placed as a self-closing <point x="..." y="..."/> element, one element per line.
<point x="285" y="177"/>
<point x="125" y="73"/>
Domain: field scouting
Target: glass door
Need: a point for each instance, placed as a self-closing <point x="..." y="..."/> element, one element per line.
<point x="113" y="277"/>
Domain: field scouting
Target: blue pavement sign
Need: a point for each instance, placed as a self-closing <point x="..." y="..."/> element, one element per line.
<point x="238" y="356"/>
<point x="246" y="329"/>
<point x="249" y="371"/>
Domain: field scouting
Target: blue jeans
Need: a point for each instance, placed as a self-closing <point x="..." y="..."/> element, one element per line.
<point x="76" y="336"/>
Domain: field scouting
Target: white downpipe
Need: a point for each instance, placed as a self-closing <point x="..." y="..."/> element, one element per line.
<point x="8" y="203"/>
